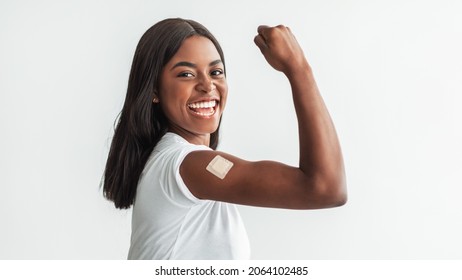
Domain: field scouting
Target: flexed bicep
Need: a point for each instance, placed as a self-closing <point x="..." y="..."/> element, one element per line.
<point x="219" y="176"/>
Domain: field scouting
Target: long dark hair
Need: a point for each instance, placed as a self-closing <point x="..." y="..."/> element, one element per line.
<point x="141" y="123"/>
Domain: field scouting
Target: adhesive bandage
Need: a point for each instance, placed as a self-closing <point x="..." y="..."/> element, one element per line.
<point x="219" y="166"/>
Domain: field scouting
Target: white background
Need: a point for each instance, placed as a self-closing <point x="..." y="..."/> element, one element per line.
<point x="390" y="73"/>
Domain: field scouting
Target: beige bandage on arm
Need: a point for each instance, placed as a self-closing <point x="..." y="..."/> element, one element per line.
<point x="219" y="166"/>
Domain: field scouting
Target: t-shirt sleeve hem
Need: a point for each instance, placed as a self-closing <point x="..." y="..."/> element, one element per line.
<point x="181" y="184"/>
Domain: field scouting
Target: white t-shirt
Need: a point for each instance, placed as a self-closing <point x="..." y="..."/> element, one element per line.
<point x="169" y="222"/>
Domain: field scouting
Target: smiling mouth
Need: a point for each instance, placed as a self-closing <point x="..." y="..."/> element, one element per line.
<point x="203" y="108"/>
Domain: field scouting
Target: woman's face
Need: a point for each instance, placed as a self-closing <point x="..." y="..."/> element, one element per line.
<point x="193" y="90"/>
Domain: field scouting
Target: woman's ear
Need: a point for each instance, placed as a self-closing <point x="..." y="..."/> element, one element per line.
<point x="155" y="99"/>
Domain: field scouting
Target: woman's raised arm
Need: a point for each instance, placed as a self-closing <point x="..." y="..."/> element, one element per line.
<point x="318" y="182"/>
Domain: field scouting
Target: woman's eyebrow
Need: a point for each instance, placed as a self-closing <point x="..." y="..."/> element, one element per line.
<point x="215" y="62"/>
<point x="192" y="65"/>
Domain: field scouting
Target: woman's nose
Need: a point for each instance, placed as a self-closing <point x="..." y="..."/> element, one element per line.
<point x="206" y="85"/>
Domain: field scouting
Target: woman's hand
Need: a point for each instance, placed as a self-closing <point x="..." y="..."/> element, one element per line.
<point x="280" y="48"/>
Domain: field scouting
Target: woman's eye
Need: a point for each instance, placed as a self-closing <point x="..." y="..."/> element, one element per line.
<point x="185" y="74"/>
<point x="216" y="72"/>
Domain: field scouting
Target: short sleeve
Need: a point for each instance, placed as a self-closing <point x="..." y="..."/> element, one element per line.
<point x="172" y="183"/>
<point x="180" y="154"/>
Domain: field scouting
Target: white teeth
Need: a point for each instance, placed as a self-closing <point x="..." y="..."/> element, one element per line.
<point x="204" y="114"/>
<point x="208" y="104"/>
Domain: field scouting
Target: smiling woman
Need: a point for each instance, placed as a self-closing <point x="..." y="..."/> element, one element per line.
<point x="163" y="157"/>
<point x="193" y="90"/>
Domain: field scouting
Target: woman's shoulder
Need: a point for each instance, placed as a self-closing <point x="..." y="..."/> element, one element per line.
<point x="174" y="142"/>
<point x="172" y="148"/>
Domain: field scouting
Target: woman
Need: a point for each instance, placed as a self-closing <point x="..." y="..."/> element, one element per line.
<point x="163" y="158"/>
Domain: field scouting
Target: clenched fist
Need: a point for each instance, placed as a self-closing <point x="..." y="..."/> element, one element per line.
<point x="280" y="48"/>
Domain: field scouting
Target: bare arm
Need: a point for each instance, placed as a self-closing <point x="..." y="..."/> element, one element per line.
<point x="318" y="182"/>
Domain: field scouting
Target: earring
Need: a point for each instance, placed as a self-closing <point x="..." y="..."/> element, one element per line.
<point x="155" y="99"/>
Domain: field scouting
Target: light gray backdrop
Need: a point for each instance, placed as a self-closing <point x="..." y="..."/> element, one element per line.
<point x="390" y="73"/>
